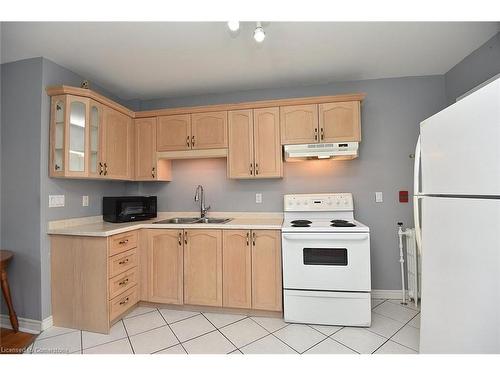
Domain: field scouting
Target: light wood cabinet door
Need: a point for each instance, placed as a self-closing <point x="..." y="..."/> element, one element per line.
<point x="266" y="270"/>
<point x="203" y="267"/>
<point x="117" y="144"/>
<point x="340" y="122"/>
<point x="240" y="154"/>
<point x="173" y="133"/>
<point x="165" y="259"/>
<point x="236" y="269"/>
<point x="299" y="124"/>
<point x="209" y="130"/>
<point x="267" y="144"/>
<point x="145" y="148"/>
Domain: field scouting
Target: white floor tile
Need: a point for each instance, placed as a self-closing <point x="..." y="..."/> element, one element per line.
<point x="395" y="311"/>
<point x="116" y="347"/>
<point x="271" y="324"/>
<point x="139" y="310"/>
<point x="329" y="346"/>
<point x="61" y="344"/>
<point x="172" y="316"/>
<point x="384" y="326"/>
<point x="391" y="347"/>
<point x="243" y="332"/>
<point x="359" y="339"/>
<point x="192" y="327"/>
<point x="268" y="345"/>
<point x="54" y="331"/>
<point x="326" y="330"/>
<point x="409" y="304"/>
<point x="221" y="320"/>
<point x="376" y="302"/>
<point x="176" y="349"/>
<point x="116" y="332"/>
<point x="415" y="322"/>
<point x="144" y="322"/>
<point x="211" y="343"/>
<point x="408" y="336"/>
<point x="154" y="340"/>
<point x="299" y="336"/>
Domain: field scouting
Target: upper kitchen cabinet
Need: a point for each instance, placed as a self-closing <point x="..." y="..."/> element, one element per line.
<point x="147" y="165"/>
<point x="69" y="136"/>
<point x="340" y="122"/>
<point x="173" y="133"/>
<point x="299" y="124"/>
<point x="254" y="144"/>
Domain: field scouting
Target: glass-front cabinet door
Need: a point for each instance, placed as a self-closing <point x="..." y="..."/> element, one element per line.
<point x="95" y="140"/>
<point x="58" y="114"/>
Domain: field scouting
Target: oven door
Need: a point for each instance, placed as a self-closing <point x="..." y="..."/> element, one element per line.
<point x="326" y="261"/>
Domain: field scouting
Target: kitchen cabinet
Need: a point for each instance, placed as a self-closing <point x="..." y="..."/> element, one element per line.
<point x="237" y="269"/>
<point x="96" y="157"/>
<point x="254" y="144"/>
<point x="173" y="133"/>
<point x="203" y="267"/>
<point x="165" y="253"/>
<point x="340" y="122"/>
<point x="299" y="124"/>
<point x="266" y="270"/>
<point x="147" y="166"/>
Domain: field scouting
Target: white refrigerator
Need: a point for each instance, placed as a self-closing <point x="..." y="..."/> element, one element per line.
<point x="457" y="221"/>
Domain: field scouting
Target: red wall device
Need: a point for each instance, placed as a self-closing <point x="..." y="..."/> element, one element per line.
<point x="403" y="196"/>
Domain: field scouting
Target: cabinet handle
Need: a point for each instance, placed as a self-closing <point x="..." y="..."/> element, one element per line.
<point x="316" y="134"/>
<point x="251" y="168"/>
<point x="124" y="302"/>
<point x="123" y="242"/>
<point x="153" y="172"/>
<point x="256" y="169"/>
<point x="253" y="238"/>
<point x="124" y="282"/>
<point x="248" y="238"/>
<point x="322" y="134"/>
<point x="180" y="238"/>
<point x="105" y="169"/>
<point x="187" y="141"/>
<point x="56" y="167"/>
<point x="123" y="261"/>
<point x="185" y="238"/>
<point x="100" y="169"/>
<point x="192" y="141"/>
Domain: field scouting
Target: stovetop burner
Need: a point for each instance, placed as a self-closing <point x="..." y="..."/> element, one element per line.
<point x="341" y="223"/>
<point x="301" y="223"/>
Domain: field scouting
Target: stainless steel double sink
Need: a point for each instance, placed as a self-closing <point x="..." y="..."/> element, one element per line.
<point x="194" y="220"/>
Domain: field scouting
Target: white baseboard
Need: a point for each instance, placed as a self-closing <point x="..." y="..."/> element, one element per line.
<point x="47" y="323"/>
<point x="25" y="324"/>
<point x="387" y="294"/>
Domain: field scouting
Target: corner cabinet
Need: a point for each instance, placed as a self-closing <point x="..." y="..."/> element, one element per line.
<point x="254" y="144"/>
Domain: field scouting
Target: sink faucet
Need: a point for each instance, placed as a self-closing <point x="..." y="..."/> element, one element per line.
<point x="198" y="196"/>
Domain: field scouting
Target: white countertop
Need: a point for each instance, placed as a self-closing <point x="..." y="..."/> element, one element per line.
<point x="95" y="227"/>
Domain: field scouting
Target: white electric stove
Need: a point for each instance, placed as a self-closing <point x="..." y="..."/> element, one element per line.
<point x="326" y="261"/>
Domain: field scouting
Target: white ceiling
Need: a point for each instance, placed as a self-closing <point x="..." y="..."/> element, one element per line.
<point x="168" y="59"/>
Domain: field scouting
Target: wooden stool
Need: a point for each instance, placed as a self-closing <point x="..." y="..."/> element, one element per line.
<point x="5" y="257"/>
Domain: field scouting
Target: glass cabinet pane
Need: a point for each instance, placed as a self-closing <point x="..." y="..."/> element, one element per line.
<point x="59" y="136"/>
<point x="94" y="138"/>
<point x="77" y="137"/>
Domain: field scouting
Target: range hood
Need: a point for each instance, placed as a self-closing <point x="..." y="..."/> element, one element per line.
<point x="337" y="151"/>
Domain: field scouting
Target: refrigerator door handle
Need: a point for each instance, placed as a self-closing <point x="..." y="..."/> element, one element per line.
<point x="416" y="169"/>
<point x="416" y="197"/>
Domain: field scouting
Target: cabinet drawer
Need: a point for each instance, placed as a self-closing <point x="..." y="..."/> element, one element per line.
<point x="122" y="303"/>
<point x="122" y="282"/>
<point x="122" y="262"/>
<point x="122" y="242"/>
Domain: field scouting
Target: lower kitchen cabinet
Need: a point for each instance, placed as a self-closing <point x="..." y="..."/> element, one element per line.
<point x="203" y="267"/>
<point x="165" y="265"/>
<point x="266" y="270"/>
<point x="237" y="269"/>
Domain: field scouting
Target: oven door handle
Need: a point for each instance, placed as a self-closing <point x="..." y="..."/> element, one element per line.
<point x="329" y="237"/>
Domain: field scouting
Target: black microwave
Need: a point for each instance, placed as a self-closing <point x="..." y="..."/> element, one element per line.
<point x="131" y="208"/>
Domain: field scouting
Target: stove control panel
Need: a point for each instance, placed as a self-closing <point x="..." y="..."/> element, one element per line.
<point x="319" y="202"/>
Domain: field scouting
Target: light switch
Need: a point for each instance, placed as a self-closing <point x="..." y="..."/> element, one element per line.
<point x="258" y="198"/>
<point x="379" y="197"/>
<point x="85" y="200"/>
<point x="56" y="201"/>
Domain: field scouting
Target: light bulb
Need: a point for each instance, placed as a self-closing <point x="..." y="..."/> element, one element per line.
<point x="259" y="35"/>
<point x="233" y="25"/>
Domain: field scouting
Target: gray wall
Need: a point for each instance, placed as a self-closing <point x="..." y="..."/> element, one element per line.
<point x="479" y="66"/>
<point x="391" y="114"/>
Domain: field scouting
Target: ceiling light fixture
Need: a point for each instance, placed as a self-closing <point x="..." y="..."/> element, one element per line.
<point x="233" y="25"/>
<point x="259" y="35"/>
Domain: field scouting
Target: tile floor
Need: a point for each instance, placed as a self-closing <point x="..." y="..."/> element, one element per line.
<point x="394" y="330"/>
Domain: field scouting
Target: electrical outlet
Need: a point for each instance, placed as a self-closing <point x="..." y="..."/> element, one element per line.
<point x="56" y="201"/>
<point x="85" y="200"/>
<point x="379" y="197"/>
<point x="258" y="198"/>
